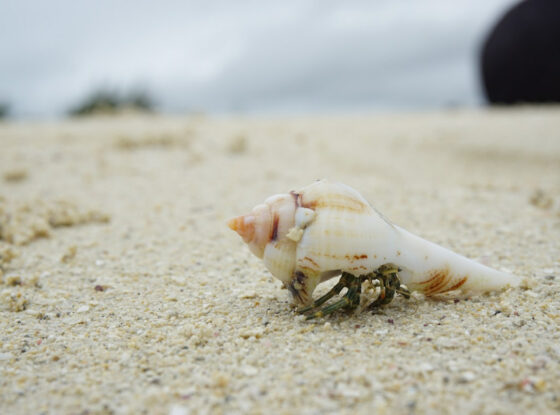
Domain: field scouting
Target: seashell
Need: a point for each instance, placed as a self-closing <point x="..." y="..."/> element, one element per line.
<point x="327" y="229"/>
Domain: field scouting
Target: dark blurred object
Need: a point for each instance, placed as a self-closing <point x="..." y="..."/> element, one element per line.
<point x="110" y="102"/>
<point x="521" y="56"/>
<point x="4" y="110"/>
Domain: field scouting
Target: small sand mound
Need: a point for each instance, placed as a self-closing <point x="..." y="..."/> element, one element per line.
<point x="23" y="222"/>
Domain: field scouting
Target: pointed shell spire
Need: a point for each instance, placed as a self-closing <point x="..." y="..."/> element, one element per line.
<point x="244" y="225"/>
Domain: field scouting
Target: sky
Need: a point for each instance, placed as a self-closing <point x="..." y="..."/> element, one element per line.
<point x="218" y="56"/>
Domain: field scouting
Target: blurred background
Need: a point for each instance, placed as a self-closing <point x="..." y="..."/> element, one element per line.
<point x="298" y="56"/>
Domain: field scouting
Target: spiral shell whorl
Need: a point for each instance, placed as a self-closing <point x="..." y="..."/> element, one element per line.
<point x="268" y="223"/>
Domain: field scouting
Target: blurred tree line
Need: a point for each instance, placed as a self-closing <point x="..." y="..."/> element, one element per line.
<point x="4" y="110"/>
<point x="105" y="101"/>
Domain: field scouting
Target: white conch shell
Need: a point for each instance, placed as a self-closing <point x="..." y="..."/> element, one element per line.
<point x="326" y="228"/>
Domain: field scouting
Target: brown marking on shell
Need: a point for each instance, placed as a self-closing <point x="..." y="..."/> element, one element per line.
<point x="297" y="198"/>
<point x="353" y="258"/>
<point x="274" y="233"/>
<point x="311" y="260"/>
<point x="439" y="287"/>
<point x="309" y="205"/>
<point x="326" y="255"/>
<point x="336" y="202"/>
<point x="433" y="277"/>
<point x="457" y="285"/>
<point x="436" y="284"/>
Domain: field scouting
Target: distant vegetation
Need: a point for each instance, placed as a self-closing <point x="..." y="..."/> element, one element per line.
<point x="4" y="110"/>
<point x="105" y="101"/>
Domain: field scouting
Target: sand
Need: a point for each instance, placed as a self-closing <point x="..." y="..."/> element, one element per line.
<point x="123" y="291"/>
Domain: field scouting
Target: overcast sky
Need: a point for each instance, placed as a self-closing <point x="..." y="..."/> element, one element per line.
<point x="244" y="56"/>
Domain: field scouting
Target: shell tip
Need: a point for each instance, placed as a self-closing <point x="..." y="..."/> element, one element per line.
<point x="233" y="224"/>
<point x="244" y="226"/>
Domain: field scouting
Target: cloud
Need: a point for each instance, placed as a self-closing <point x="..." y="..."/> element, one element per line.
<point x="248" y="55"/>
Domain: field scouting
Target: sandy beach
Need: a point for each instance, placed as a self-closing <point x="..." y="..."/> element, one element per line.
<point x="122" y="290"/>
